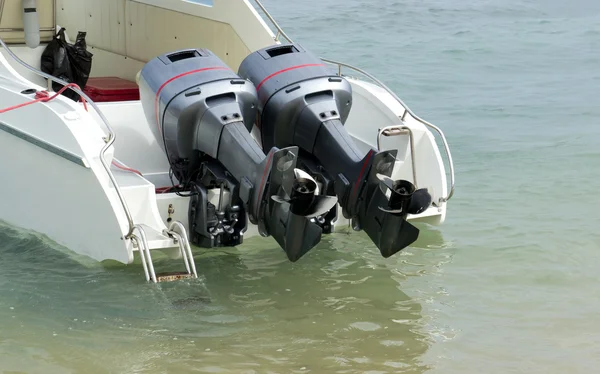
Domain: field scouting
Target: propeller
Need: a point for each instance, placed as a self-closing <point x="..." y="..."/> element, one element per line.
<point x="404" y="197"/>
<point x="304" y="198"/>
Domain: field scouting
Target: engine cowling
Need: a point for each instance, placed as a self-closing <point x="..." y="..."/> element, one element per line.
<point x="183" y="93"/>
<point x="294" y="86"/>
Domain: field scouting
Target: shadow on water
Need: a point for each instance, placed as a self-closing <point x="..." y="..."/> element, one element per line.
<point x="340" y="309"/>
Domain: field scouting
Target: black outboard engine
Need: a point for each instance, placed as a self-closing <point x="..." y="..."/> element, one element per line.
<point x="304" y="103"/>
<point x="201" y="113"/>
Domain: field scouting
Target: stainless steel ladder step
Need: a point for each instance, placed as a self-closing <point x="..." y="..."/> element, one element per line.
<point x="178" y="234"/>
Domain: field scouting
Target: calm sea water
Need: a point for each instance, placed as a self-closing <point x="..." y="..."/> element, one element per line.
<point x="509" y="284"/>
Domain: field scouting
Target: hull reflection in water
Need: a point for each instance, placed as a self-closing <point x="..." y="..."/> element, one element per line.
<point x="250" y="310"/>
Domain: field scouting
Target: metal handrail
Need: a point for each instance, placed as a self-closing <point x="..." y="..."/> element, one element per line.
<point x="108" y="140"/>
<point x="279" y="29"/>
<point x="144" y="250"/>
<point x="386" y="88"/>
<point x="412" y="146"/>
<point x="182" y="250"/>
<point x="186" y="243"/>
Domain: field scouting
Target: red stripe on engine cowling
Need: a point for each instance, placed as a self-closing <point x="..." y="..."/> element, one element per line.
<point x="284" y="71"/>
<point x="156" y="106"/>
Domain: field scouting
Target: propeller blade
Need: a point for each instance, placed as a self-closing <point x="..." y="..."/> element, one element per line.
<point x="420" y="201"/>
<point x="279" y="199"/>
<point x="305" y="201"/>
<point x="302" y="174"/>
<point x="386" y="184"/>
<point x="391" y="211"/>
<point x="286" y="161"/>
<point x="321" y="205"/>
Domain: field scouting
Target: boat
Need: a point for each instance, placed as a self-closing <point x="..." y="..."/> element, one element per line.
<point x="203" y="124"/>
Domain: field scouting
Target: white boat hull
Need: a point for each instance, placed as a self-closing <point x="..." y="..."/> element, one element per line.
<point x="80" y="209"/>
<point x="55" y="182"/>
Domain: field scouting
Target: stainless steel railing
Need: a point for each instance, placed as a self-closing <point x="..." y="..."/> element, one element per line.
<point x="407" y="110"/>
<point x="109" y="140"/>
<point x="144" y="249"/>
<point x="280" y="31"/>
<point x="401" y="130"/>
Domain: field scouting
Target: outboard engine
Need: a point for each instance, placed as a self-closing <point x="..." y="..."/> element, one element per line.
<point x="304" y="103"/>
<point x="201" y="113"/>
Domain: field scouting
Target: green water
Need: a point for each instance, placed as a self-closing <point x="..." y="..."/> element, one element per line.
<point x="508" y="284"/>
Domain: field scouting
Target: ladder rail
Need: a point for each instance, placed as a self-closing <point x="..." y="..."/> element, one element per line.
<point x="176" y="225"/>
<point x="145" y="256"/>
<point x="137" y="242"/>
<point x="182" y="248"/>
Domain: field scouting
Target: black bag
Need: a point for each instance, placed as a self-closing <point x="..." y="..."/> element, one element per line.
<point x="69" y="62"/>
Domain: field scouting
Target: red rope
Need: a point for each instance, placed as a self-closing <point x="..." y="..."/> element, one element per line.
<point x="126" y="168"/>
<point x="158" y="190"/>
<point x="44" y="96"/>
<point x="163" y="189"/>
